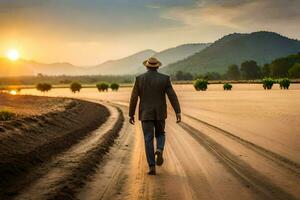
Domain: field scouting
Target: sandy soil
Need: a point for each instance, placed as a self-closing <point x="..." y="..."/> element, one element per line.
<point x="34" y="137"/>
<point x="29" y="105"/>
<point x="267" y="118"/>
<point x="240" y="144"/>
<point x="63" y="176"/>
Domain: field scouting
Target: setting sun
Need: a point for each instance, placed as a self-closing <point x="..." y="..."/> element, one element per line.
<point x="13" y="54"/>
<point x="13" y="92"/>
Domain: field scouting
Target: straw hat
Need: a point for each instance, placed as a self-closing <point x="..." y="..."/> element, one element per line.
<point x="152" y="62"/>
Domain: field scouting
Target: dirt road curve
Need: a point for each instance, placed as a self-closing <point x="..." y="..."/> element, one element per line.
<point x="196" y="167"/>
<point x="202" y="161"/>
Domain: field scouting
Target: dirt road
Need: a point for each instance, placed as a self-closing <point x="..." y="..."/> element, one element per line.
<point x="206" y="156"/>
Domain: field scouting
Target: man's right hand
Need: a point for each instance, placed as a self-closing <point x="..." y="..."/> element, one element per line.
<point x="131" y="120"/>
<point x="178" y="117"/>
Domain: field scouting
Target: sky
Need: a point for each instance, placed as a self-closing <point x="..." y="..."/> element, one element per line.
<point x="89" y="32"/>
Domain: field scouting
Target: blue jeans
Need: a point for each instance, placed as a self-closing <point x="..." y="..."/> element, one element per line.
<point x="151" y="128"/>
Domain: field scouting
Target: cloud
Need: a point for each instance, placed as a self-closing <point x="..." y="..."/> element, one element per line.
<point x="274" y="15"/>
<point x="81" y="20"/>
<point x="97" y="30"/>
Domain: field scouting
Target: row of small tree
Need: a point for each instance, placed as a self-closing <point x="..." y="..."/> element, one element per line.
<point x="288" y="66"/>
<point x="76" y="87"/>
<point x="43" y="87"/>
<point x="284" y="83"/>
<point x="201" y="85"/>
<point x="104" y="86"/>
<point x="283" y="67"/>
<point x="268" y="83"/>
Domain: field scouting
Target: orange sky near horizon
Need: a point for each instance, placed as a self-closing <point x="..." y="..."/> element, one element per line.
<point x="90" y="32"/>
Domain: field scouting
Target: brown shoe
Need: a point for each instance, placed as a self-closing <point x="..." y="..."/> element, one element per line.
<point x="152" y="170"/>
<point x="159" y="158"/>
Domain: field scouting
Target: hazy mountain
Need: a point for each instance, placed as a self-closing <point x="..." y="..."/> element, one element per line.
<point x="17" y="68"/>
<point x="175" y="54"/>
<point x="57" y="69"/>
<point x="128" y="65"/>
<point x="133" y="63"/>
<point x="29" y="68"/>
<point x="262" y="47"/>
<point x="236" y="48"/>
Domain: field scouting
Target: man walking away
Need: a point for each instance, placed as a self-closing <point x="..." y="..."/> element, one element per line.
<point x="152" y="87"/>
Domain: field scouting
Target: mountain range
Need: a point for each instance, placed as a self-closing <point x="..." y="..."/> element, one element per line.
<point x="262" y="47"/>
<point x="128" y="65"/>
<point x="29" y="68"/>
<point x="198" y="58"/>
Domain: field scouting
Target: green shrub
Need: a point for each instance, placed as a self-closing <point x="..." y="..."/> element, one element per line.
<point x="102" y="87"/>
<point x="284" y="83"/>
<point x="75" y="87"/>
<point x="43" y="87"/>
<point x="114" y="86"/>
<point x="39" y="86"/>
<point x="227" y="86"/>
<point x="6" y="115"/>
<point x="200" y="84"/>
<point x="268" y="83"/>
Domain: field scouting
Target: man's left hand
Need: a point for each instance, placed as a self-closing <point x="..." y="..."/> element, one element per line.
<point x="178" y="117"/>
<point x="131" y="120"/>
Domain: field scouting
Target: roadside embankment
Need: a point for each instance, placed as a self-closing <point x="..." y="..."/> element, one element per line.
<point x="41" y="128"/>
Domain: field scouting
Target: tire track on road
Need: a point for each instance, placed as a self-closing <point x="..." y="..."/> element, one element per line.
<point x="279" y="159"/>
<point x="246" y="174"/>
<point x="110" y="176"/>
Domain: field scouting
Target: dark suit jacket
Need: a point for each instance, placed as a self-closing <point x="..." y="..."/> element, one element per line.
<point x="152" y="88"/>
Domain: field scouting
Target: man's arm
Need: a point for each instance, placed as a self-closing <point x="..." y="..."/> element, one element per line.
<point x="173" y="99"/>
<point x="133" y="101"/>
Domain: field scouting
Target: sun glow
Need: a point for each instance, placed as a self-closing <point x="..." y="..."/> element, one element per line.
<point x="13" y="92"/>
<point x="13" y="54"/>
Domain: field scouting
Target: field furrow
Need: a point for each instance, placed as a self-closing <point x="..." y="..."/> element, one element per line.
<point x="66" y="173"/>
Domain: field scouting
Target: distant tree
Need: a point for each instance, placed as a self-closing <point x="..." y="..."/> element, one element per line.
<point x="268" y="83"/>
<point x="66" y="81"/>
<point x="212" y="76"/>
<point x="188" y="76"/>
<point x="200" y="84"/>
<point x="294" y="72"/>
<point x="284" y="83"/>
<point x="280" y="67"/>
<point x="40" y="75"/>
<point x="39" y="87"/>
<point x="180" y="75"/>
<point x="250" y="70"/>
<point x="227" y="86"/>
<point x="114" y="86"/>
<point x="47" y="87"/>
<point x="265" y="70"/>
<point x="233" y="72"/>
<point x="75" y="87"/>
<point x="93" y="80"/>
<point x="102" y="87"/>
<point x="44" y="87"/>
<point x="199" y="76"/>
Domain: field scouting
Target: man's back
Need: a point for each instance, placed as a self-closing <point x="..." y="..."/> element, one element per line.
<point x="152" y="88"/>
